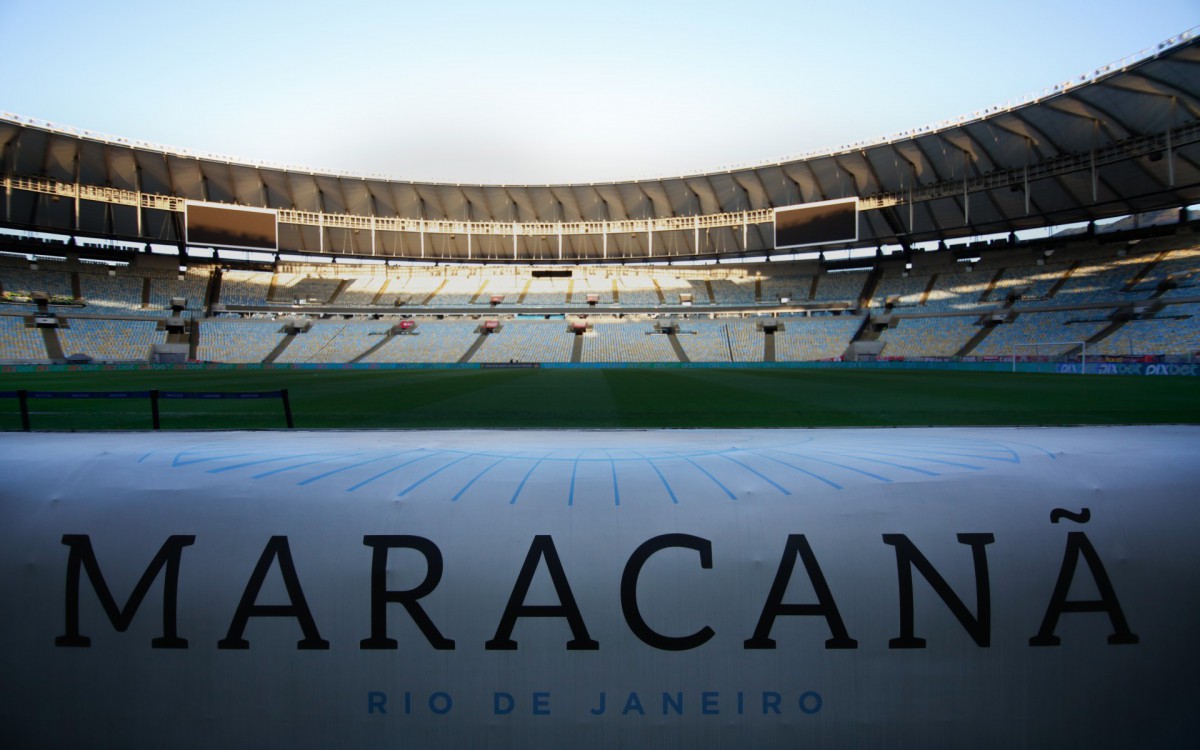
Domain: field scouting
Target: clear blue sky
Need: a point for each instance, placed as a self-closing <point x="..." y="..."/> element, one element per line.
<point x="535" y="92"/>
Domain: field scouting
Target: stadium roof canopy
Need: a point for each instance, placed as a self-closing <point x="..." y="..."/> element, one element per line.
<point x="1124" y="139"/>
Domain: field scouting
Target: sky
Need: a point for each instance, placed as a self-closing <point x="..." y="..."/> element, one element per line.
<point x="535" y="92"/>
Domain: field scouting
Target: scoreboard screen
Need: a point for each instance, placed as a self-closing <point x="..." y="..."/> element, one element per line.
<point x="821" y="223"/>
<point x="212" y="225"/>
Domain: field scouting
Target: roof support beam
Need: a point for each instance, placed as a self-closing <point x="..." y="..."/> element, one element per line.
<point x="942" y="188"/>
<point x="1165" y="90"/>
<point x="1102" y="121"/>
<point x="991" y="158"/>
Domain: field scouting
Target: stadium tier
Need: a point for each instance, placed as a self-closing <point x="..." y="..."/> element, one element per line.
<point x="928" y="337"/>
<point x="334" y="342"/>
<point x="121" y="250"/>
<point x="527" y="341"/>
<point x="1121" y="140"/>
<point x="20" y="343"/>
<point x="1125" y="295"/>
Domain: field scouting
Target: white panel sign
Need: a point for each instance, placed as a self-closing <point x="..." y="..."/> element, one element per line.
<point x="704" y="589"/>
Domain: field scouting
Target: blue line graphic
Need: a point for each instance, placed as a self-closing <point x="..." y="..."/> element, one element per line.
<point x="571" y="491"/>
<point x="340" y="469"/>
<point x="758" y="474"/>
<point x="666" y="484"/>
<point x="389" y="471"/>
<point x="840" y="466"/>
<point x="887" y="463"/>
<point x="928" y="460"/>
<point x="178" y="460"/>
<point x="280" y="470"/>
<point x="616" y="489"/>
<point x="829" y="482"/>
<point x="966" y="449"/>
<point x="867" y="460"/>
<point x="1038" y="448"/>
<point x="710" y="476"/>
<point x="525" y="479"/>
<point x="234" y="467"/>
<point x="1013" y="460"/>
<point x="467" y="486"/>
<point x="433" y="473"/>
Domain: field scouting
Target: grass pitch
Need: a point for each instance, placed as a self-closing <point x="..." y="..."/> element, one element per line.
<point x="616" y="398"/>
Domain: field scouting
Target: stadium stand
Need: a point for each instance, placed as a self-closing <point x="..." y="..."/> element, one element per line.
<point x="706" y="341"/>
<point x="245" y="287"/>
<point x="746" y="339"/>
<point x="18" y="343"/>
<point x="1180" y="269"/>
<point x="841" y="286"/>
<point x="1027" y="284"/>
<point x="722" y="340"/>
<point x="164" y="288"/>
<point x="590" y="283"/>
<point x="900" y="291"/>
<point x="545" y="292"/>
<point x="928" y="274"/>
<point x="928" y="337"/>
<point x="364" y="290"/>
<point x="106" y="294"/>
<point x="507" y="285"/>
<point x="816" y="338"/>
<point x="110" y="340"/>
<point x="434" y="342"/>
<point x="298" y="287"/>
<point x="793" y="287"/>
<point x="1174" y="330"/>
<point x="243" y="341"/>
<point x="1097" y="281"/>
<point x="1043" y="333"/>
<point x="459" y="289"/>
<point x="957" y="289"/>
<point x="334" y="342"/>
<point x="627" y="341"/>
<point x="730" y="292"/>
<point x="636" y="291"/>
<point x="48" y="277"/>
<point x="1126" y="298"/>
<point x="528" y="341"/>
<point x="671" y="287"/>
<point x="413" y="287"/>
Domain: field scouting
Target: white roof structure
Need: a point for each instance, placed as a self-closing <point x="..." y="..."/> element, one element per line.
<point x="1123" y="140"/>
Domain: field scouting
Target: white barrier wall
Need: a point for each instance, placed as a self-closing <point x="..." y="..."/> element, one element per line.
<point x="988" y="588"/>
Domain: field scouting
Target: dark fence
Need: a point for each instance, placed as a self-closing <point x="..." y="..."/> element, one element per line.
<point x="154" y="396"/>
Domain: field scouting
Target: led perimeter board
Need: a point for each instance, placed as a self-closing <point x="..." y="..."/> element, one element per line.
<point x="231" y="226"/>
<point x="821" y="223"/>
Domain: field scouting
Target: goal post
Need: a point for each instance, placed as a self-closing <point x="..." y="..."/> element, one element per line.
<point x="1081" y="344"/>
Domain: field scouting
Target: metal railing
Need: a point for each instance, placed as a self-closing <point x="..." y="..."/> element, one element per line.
<point x="154" y="395"/>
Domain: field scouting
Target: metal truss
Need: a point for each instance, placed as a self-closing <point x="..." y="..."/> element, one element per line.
<point x="1131" y="148"/>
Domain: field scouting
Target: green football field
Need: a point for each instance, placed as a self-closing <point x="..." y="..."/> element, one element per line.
<point x="616" y="398"/>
